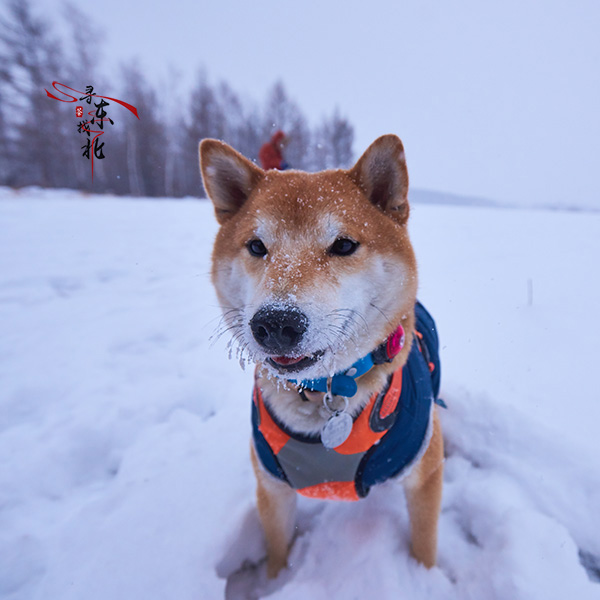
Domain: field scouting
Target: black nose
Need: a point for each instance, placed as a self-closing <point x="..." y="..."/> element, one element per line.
<point x="278" y="330"/>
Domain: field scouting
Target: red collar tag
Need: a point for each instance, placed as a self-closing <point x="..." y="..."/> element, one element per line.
<point x="395" y="342"/>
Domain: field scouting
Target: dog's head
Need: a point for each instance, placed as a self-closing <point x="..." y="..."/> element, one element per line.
<point x="312" y="270"/>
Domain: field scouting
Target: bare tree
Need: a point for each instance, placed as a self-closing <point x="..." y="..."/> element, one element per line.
<point x="332" y="145"/>
<point x="5" y="158"/>
<point x="172" y="119"/>
<point x="283" y="113"/>
<point x="33" y="59"/>
<point x="205" y="118"/>
<point x="146" y="139"/>
<point x="341" y="136"/>
<point x="241" y="125"/>
<point x="81" y="68"/>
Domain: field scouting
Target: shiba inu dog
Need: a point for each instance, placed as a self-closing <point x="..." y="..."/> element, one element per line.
<point x="317" y="280"/>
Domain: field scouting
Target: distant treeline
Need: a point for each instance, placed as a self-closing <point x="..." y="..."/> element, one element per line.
<point x="156" y="155"/>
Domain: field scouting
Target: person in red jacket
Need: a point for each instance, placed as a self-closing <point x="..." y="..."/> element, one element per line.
<point x="271" y="152"/>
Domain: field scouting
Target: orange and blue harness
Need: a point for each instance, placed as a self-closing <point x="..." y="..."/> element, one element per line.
<point x="387" y="437"/>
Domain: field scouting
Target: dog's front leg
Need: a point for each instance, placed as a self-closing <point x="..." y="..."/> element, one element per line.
<point x="423" y="489"/>
<point x="276" y="503"/>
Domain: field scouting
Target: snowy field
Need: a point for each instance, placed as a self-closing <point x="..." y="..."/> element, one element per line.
<point x="124" y="433"/>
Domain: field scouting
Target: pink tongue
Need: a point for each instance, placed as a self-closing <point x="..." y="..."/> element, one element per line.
<point x="286" y="360"/>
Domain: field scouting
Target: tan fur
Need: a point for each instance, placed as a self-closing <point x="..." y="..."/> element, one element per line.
<point x="298" y="216"/>
<point x="423" y="488"/>
<point x="276" y="502"/>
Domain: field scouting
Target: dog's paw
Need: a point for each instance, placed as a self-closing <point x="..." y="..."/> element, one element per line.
<point x="248" y="573"/>
<point x="275" y="565"/>
<point x="247" y="583"/>
<point x="256" y="580"/>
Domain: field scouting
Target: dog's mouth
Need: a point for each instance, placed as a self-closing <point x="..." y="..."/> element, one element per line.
<point x="293" y="364"/>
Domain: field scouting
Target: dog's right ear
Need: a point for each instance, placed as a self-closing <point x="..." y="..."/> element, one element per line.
<point x="228" y="177"/>
<point x="382" y="175"/>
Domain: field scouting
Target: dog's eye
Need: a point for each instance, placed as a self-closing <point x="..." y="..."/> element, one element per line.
<point x="256" y="248"/>
<point x="343" y="247"/>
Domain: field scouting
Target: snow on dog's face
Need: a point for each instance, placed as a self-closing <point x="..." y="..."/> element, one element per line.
<point x="312" y="270"/>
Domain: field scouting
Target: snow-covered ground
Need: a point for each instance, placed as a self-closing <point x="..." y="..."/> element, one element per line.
<point x="124" y="433"/>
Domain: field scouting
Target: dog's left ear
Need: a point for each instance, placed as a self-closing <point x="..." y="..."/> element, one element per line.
<point x="382" y="175"/>
<point x="228" y="177"/>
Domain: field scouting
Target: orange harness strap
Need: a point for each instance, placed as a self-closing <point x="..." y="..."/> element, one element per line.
<point x="275" y="436"/>
<point x="360" y="440"/>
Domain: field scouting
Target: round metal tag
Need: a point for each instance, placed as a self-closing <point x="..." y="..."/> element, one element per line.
<point x="336" y="430"/>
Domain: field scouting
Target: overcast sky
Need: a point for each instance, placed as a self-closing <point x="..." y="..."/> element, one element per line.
<point x="493" y="99"/>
